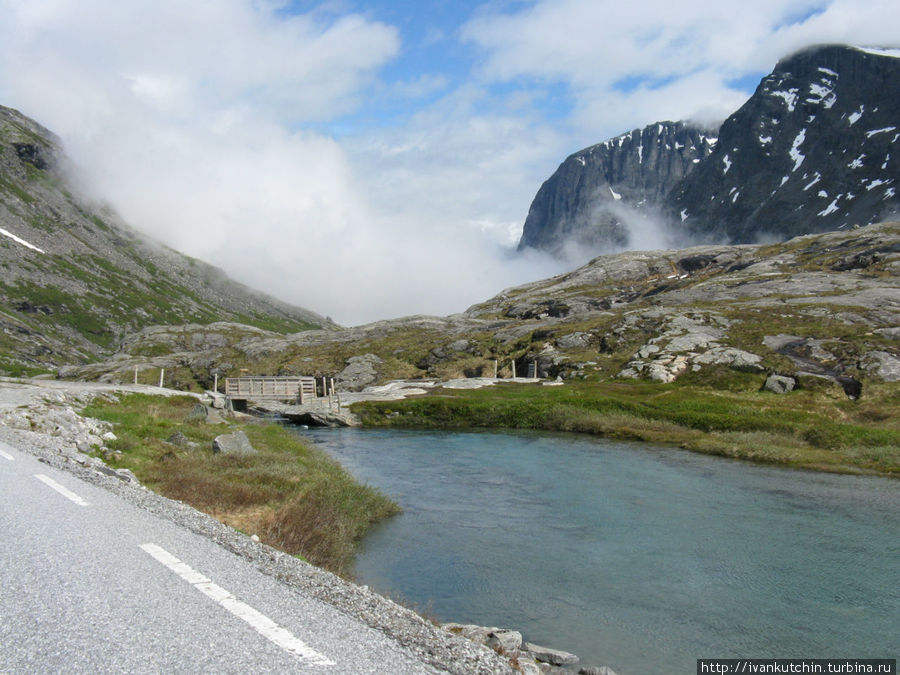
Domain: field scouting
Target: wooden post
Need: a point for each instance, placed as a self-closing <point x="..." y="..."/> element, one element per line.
<point x="495" y="369"/>
<point x="162" y="372"/>
<point x="332" y="386"/>
<point x="514" y="368"/>
<point x="135" y="374"/>
<point x="216" y="383"/>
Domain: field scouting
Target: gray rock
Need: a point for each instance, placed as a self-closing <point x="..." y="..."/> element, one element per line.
<point x="892" y="333"/>
<point x="883" y="365"/>
<point x="554" y="657"/>
<point x="178" y="439"/>
<point x="547" y="361"/>
<point x="506" y="640"/>
<point x="577" y="340"/>
<point x="510" y="641"/>
<point x="127" y="476"/>
<point x="236" y="443"/>
<point x="779" y="384"/>
<point x="198" y="412"/>
<point x="214" y="417"/>
<point x="529" y="667"/>
<point x="594" y="670"/>
<point x="731" y="357"/>
<point x="458" y="346"/>
<point x="666" y="372"/>
<point x="359" y="372"/>
<point x="691" y="342"/>
<point x="647" y="350"/>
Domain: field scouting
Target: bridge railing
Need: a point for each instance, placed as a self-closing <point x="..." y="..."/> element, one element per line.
<point x="286" y="388"/>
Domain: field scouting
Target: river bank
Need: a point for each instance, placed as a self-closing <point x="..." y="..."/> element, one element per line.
<point x="40" y="417"/>
<point x="812" y="428"/>
<point x="636" y="556"/>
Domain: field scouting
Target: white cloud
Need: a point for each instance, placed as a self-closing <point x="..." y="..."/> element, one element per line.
<point x="205" y="124"/>
<point x="654" y="59"/>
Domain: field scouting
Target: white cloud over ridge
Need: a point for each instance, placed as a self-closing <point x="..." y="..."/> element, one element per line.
<point x="227" y="129"/>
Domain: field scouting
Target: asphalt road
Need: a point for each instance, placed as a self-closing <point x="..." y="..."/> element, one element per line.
<point x="92" y="583"/>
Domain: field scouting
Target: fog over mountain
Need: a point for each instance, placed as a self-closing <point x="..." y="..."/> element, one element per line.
<point x="814" y="149"/>
<point x="367" y="160"/>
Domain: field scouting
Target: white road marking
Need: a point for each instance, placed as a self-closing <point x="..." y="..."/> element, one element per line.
<point x="259" y="622"/>
<point x="64" y="491"/>
<point x="6" y="455"/>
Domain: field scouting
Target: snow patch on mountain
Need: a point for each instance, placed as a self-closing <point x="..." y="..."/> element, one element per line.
<point x="18" y="240"/>
<point x="795" y="153"/>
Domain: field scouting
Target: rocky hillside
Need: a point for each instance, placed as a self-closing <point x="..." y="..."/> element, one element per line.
<point x="75" y="279"/>
<point x="820" y="311"/>
<point x="814" y="149"/>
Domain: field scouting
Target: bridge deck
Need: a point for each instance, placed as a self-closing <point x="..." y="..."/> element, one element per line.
<point x="287" y="388"/>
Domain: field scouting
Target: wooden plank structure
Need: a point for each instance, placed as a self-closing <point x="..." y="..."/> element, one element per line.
<point x="277" y="388"/>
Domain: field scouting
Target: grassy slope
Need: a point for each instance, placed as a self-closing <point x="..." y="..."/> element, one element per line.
<point x="807" y="428"/>
<point x="292" y="495"/>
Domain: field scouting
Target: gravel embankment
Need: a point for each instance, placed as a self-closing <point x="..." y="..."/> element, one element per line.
<point x="40" y="417"/>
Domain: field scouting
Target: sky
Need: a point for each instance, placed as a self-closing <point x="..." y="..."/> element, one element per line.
<point x="376" y="159"/>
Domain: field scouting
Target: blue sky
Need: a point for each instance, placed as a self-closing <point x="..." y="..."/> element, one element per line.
<point x="393" y="147"/>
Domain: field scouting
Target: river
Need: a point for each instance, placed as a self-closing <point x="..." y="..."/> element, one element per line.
<point x="636" y="557"/>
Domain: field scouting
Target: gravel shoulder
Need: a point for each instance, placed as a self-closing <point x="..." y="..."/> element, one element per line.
<point x="39" y="417"/>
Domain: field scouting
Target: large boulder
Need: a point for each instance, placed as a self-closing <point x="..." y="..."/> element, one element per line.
<point x="779" y="384"/>
<point x="359" y="373"/>
<point x="235" y="443"/>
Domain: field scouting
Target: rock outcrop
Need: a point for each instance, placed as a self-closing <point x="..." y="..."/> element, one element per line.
<point x="598" y="194"/>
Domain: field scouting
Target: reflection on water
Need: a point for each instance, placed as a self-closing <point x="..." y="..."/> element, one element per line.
<point x="639" y="558"/>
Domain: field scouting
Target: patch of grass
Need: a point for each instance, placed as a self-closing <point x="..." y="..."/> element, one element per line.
<point x="802" y="429"/>
<point x="292" y="495"/>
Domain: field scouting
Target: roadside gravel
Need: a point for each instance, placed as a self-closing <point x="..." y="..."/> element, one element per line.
<point x="36" y="416"/>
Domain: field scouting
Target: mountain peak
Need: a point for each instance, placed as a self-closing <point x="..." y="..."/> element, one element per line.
<point x="813" y="149"/>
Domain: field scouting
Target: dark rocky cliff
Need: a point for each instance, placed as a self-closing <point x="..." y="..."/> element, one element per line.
<point x="582" y="202"/>
<point x="814" y="149"/>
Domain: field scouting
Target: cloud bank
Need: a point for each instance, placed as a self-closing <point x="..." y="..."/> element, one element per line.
<point x="287" y="145"/>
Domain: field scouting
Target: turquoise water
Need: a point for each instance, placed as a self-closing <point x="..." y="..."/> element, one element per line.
<point x="643" y="559"/>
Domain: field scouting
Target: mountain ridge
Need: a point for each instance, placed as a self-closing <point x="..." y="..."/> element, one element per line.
<point x="813" y="149"/>
<point x="76" y="278"/>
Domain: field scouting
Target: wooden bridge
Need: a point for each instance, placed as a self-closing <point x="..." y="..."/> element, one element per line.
<point x="277" y="388"/>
